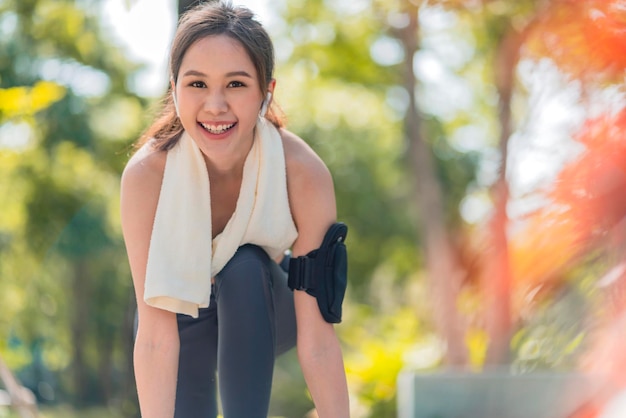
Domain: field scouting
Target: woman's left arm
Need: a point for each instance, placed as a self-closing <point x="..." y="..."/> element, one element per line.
<point x="321" y="359"/>
<point x="312" y="201"/>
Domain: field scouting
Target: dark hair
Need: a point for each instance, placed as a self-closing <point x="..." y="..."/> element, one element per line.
<point x="210" y="19"/>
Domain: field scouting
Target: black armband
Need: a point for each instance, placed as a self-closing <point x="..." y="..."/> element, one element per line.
<point x="323" y="273"/>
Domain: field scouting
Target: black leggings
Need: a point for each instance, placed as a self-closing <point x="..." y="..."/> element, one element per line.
<point x="249" y="321"/>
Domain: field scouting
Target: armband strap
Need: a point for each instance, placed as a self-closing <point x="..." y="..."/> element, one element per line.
<point x="323" y="273"/>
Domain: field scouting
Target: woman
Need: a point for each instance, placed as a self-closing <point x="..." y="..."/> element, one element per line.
<point x="214" y="196"/>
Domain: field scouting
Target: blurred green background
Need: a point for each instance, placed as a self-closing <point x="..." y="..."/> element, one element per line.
<point x="466" y="139"/>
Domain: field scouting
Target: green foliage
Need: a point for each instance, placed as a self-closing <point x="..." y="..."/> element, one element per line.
<point x="381" y="348"/>
<point x="334" y="40"/>
<point x="21" y="102"/>
<point x="290" y="397"/>
<point x="555" y="332"/>
<point x="66" y="293"/>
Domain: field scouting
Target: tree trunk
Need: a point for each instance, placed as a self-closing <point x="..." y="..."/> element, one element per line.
<point x="105" y="366"/>
<point x="443" y="271"/>
<point x="498" y="278"/>
<point x="80" y="325"/>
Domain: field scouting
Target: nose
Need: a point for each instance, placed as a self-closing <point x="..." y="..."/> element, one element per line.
<point x="215" y="103"/>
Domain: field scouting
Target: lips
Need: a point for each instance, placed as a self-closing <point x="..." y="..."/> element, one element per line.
<point x="217" y="129"/>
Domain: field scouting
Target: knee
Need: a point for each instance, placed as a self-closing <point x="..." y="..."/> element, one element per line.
<point x="248" y="262"/>
<point x="247" y="256"/>
<point x="251" y="251"/>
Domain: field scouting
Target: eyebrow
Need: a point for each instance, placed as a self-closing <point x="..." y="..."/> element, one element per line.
<point x="196" y="73"/>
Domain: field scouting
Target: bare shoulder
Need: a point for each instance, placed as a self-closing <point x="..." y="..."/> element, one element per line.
<point x="311" y="192"/>
<point x="141" y="186"/>
<point x="145" y="166"/>
<point x="303" y="164"/>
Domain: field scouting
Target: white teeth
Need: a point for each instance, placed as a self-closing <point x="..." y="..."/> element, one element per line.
<point x="217" y="129"/>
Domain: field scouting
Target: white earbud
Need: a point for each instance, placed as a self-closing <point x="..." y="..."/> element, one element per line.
<point x="175" y="104"/>
<point x="265" y="105"/>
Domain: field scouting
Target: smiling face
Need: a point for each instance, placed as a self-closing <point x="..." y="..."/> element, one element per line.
<point x="219" y="96"/>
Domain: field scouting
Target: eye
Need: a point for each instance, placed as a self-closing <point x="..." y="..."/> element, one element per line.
<point x="236" y="84"/>
<point x="197" y="84"/>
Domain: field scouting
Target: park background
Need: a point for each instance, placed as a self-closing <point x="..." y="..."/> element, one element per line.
<point x="479" y="155"/>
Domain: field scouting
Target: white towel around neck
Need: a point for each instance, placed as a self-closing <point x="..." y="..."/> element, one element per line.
<point x="182" y="257"/>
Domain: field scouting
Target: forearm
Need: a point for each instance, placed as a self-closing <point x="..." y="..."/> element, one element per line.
<point x="156" y="369"/>
<point x="322" y="366"/>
